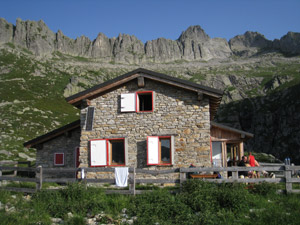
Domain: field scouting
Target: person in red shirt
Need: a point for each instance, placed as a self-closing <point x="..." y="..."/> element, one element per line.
<point x="251" y="160"/>
<point x="253" y="163"/>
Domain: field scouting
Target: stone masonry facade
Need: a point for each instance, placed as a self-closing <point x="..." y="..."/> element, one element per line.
<point x="177" y="112"/>
<point x="65" y="143"/>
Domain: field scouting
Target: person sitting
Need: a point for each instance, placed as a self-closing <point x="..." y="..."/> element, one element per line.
<point x="253" y="163"/>
<point x="243" y="163"/>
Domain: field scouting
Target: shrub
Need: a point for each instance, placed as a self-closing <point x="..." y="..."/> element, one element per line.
<point x="209" y="200"/>
<point x="73" y="199"/>
<point x="160" y="207"/>
<point x="263" y="189"/>
<point x="232" y="196"/>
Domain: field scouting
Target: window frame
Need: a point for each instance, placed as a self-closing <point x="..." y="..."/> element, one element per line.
<point x="137" y="101"/>
<point x="63" y="159"/>
<point x="108" y="152"/>
<point x="160" y="162"/>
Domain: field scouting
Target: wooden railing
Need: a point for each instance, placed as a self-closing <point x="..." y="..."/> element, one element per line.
<point x="285" y="172"/>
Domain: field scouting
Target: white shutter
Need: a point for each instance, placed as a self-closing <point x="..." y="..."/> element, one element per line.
<point x="98" y="153"/>
<point x="128" y="102"/>
<point x="172" y="149"/>
<point x="152" y="150"/>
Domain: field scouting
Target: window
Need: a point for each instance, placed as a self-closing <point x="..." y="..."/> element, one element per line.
<point x="59" y="159"/>
<point x="160" y="150"/>
<point x="108" y="152"/>
<point x="217" y="153"/>
<point x="116" y="152"/>
<point x="142" y="101"/>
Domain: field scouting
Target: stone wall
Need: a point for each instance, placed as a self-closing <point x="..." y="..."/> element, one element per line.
<point x="65" y="143"/>
<point x="177" y="112"/>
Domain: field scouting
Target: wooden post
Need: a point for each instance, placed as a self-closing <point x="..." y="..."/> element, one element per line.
<point x="83" y="177"/>
<point x="288" y="176"/>
<point x="182" y="178"/>
<point x="235" y="175"/>
<point x="132" y="185"/>
<point x="15" y="171"/>
<point x="39" y="184"/>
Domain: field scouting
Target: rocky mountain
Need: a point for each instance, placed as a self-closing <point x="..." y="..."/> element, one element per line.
<point x="38" y="68"/>
<point x="192" y="45"/>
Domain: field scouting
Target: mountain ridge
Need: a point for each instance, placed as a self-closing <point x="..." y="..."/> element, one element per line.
<point x="193" y="44"/>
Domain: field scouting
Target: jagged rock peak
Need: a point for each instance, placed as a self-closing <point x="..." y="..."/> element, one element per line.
<point x="290" y="43"/>
<point x="6" y="31"/>
<point x="249" y="43"/>
<point x="249" y="39"/>
<point x="194" y="33"/>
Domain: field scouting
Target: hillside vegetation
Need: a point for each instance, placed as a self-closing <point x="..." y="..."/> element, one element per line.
<point x="260" y="79"/>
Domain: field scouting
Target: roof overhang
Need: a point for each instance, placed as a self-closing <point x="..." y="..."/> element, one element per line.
<point x="214" y="95"/>
<point x="244" y="134"/>
<point x="52" y="134"/>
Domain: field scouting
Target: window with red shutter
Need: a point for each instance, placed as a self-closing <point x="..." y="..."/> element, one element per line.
<point x="59" y="159"/>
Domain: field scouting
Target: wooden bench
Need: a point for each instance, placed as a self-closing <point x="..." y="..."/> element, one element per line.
<point x="204" y="176"/>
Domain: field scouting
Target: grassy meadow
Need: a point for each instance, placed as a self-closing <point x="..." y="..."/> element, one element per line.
<point x="198" y="202"/>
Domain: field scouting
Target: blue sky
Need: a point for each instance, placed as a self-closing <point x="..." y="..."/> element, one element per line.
<point x="151" y="19"/>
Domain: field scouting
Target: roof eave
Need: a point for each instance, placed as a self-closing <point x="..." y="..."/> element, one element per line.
<point x="52" y="134"/>
<point x="106" y="86"/>
<point x="221" y="126"/>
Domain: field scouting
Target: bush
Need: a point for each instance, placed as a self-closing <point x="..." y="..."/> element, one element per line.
<point x="263" y="189"/>
<point x="73" y="199"/>
<point x="209" y="200"/>
<point x="160" y="207"/>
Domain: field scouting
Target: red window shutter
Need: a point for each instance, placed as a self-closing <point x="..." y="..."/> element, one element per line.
<point x="59" y="159"/>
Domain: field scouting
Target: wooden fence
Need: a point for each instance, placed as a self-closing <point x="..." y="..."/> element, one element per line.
<point x="285" y="172"/>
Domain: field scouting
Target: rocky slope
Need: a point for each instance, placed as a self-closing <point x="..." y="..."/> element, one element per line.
<point x="38" y="68"/>
<point x="192" y="45"/>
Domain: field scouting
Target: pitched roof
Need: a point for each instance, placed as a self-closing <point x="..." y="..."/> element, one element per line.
<point x="224" y="127"/>
<point x="214" y="95"/>
<point x="52" y="134"/>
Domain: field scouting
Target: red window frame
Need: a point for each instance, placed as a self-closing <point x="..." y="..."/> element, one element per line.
<point x="137" y="102"/>
<point x="108" y="163"/>
<point x="61" y="160"/>
<point x="159" y="152"/>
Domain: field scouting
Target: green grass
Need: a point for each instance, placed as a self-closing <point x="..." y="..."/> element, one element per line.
<point x="197" y="203"/>
<point x="35" y="104"/>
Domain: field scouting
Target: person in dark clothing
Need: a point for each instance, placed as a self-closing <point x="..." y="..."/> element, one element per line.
<point x="243" y="164"/>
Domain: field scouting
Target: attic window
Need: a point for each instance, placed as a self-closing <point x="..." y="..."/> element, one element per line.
<point x="144" y="101"/>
